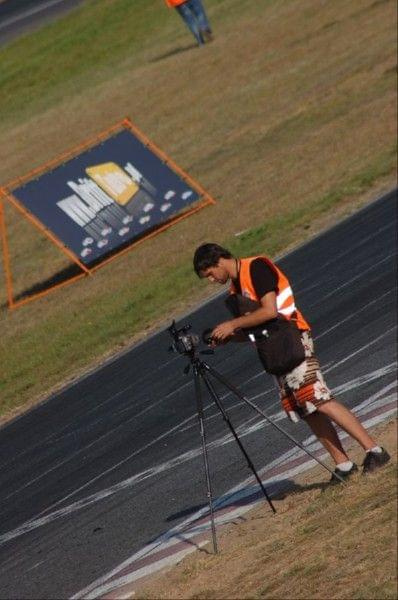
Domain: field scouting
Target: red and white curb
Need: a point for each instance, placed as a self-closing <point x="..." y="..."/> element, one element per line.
<point x="169" y="548"/>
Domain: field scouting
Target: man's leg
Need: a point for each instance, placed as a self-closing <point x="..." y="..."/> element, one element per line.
<point x="348" y="421"/>
<point x="199" y="11"/>
<point x="189" y="19"/>
<point x="304" y="393"/>
<point x="323" y="429"/>
<point x="321" y="425"/>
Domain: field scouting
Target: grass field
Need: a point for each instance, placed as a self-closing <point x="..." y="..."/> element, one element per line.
<point x="288" y="118"/>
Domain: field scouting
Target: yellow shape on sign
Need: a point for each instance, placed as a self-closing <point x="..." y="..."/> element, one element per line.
<point x="114" y="181"/>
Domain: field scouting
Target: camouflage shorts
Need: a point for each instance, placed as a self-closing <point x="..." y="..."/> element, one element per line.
<point x="303" y="389"/>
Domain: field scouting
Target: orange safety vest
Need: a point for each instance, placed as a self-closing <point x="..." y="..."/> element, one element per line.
<point x="172" y="3"/>
<point x="284" y="295"/>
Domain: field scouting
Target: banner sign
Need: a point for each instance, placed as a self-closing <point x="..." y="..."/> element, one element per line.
<point x="107" y="196"/>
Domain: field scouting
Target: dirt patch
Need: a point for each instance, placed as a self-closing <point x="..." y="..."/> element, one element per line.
<point x="324" y="542"/>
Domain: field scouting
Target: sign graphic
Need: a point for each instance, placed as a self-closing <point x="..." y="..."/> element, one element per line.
<point x="107" y="196"/>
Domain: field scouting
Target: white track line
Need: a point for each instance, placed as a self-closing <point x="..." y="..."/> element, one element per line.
<point x="243" y="430"/>
<point x="178" y="389"/>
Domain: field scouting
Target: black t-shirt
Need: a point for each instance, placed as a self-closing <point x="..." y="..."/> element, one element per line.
<point x="263" y="277"/>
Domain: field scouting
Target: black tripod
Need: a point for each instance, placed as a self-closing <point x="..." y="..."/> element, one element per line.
<point x="201" y="371"/>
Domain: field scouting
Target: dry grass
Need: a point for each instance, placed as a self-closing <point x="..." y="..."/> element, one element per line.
<point x="288" y="115"/>
<point x="324" y="542"/>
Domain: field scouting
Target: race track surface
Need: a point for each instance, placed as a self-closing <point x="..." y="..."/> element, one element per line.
<point x="18" y="17"/>
<point x="104" y="467"/>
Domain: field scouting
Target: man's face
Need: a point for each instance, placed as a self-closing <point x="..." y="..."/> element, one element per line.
<point x="217" y="274"/>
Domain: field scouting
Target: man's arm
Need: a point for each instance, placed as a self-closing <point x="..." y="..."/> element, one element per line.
<point x="265" y="312"/>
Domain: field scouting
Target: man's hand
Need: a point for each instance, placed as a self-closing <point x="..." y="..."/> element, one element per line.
<point x="223" y="331"/>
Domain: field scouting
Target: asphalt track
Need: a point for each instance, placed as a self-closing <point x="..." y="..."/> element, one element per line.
<point x="18" y="17"/>
<point x="103" y="468"/>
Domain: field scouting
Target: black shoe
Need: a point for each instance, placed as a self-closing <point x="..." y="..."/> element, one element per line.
<point x="375" y="460"/>
<point x="207" y="35"/>
<point x="343" y="474"/>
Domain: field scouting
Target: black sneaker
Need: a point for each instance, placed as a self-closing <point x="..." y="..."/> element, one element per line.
<point x="375" y="460"/>
<point x="207" y="35"/>
<point x="343" y="474"/>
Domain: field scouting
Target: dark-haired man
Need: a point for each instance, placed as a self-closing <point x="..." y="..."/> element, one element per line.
<point x="303" y="391"/>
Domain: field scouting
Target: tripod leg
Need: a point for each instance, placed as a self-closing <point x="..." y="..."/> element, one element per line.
<point x="221" y="408"/>
<point x="199" y="403"/>
<point x="237" y="393"/>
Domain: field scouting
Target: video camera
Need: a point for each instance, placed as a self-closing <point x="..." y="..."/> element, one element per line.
<point x="184" y="342"/>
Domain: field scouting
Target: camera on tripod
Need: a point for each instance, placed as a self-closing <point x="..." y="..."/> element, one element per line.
<point x="183" y="342"/>
<point x="186" y="343"/>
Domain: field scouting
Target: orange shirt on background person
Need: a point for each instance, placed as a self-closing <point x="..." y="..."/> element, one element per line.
<point x="173" y="3"/>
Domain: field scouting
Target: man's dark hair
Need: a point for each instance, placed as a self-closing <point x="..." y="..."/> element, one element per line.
<point x="208" y="255"/>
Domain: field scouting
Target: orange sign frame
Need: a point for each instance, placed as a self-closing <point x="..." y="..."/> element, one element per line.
<point x="6" y="194"/>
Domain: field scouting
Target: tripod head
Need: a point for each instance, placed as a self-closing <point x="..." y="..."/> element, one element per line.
<point x="183" y="342"/>
<point x="186" y="343"/>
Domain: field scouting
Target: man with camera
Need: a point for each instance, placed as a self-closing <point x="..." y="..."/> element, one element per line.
<point x="264" y="312"/>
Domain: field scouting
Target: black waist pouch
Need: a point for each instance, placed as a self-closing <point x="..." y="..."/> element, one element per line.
<point x="280" y="349"/>
<point x="278" y="341"/>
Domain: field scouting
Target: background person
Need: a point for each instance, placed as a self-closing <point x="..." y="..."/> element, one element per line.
<point x="303" y="391"/>
<point x="194" y="16"/>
